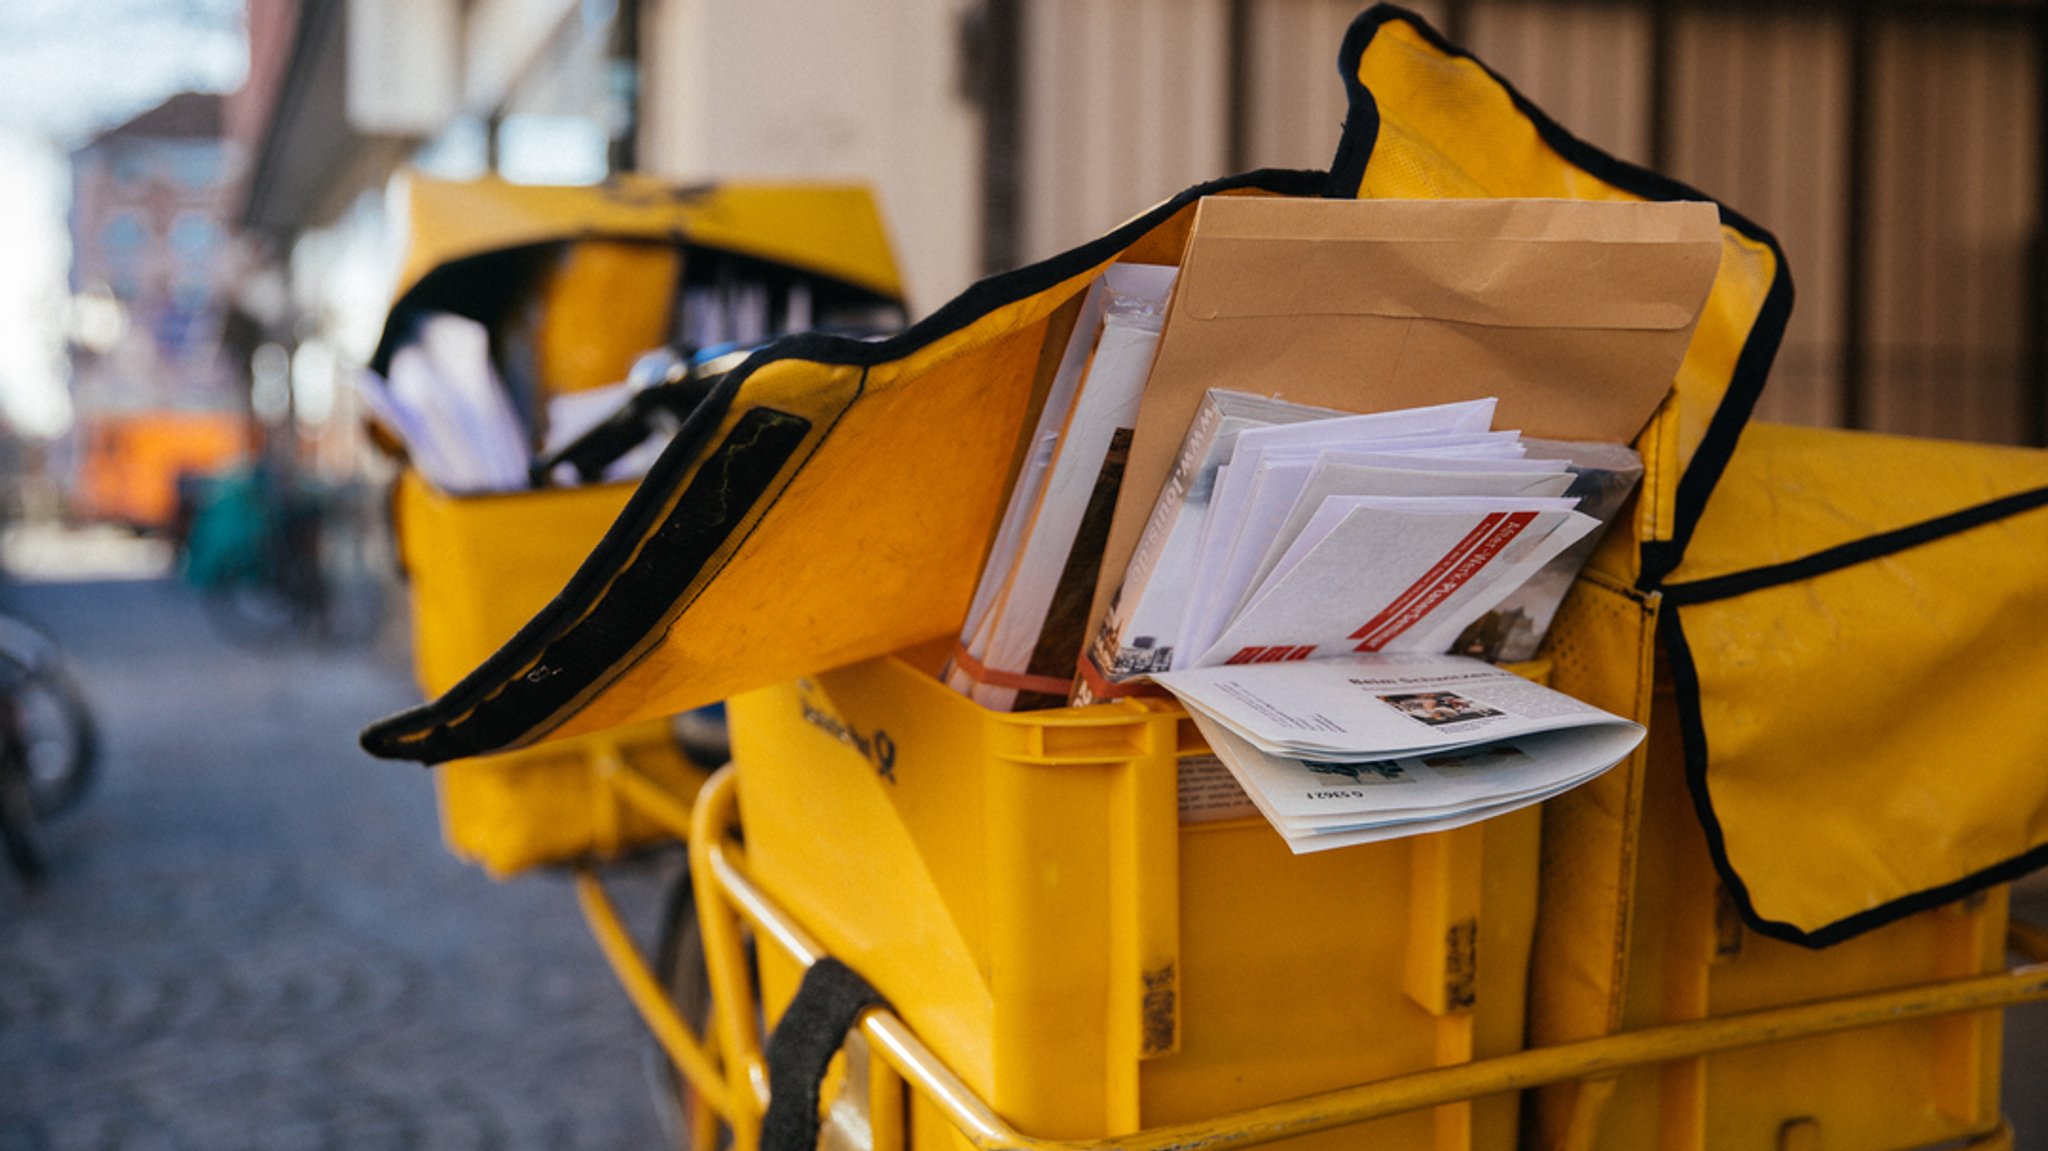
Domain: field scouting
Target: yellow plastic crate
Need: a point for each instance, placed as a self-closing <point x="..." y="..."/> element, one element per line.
<point x="556" y="803"/>
<point x="478" y="568"/>
<point x="1024" y="891"/>
<point x="1919" y="1084"/>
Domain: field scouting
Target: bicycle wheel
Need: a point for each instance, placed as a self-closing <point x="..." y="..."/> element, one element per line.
<point x="679" y="964"/>
<point x="58" y="738"/>
<point x="17" y="805"/>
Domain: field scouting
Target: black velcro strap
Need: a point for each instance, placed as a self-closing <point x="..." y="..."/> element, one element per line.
<point x="826" y="1005"/>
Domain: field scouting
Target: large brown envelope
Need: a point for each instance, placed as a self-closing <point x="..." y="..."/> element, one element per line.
<point x="1575" y="313"/>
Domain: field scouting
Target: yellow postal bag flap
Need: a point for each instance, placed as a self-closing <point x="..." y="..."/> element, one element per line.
<point x="1859" y="642"/>
<point x="829" y="501"/>
<point x="1428" y="120"/>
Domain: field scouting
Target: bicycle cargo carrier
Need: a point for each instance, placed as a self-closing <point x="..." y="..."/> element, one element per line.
<point x="1826" y="615"/>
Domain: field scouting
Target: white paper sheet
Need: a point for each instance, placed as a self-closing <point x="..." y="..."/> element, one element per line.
<point x="444" y="399"/>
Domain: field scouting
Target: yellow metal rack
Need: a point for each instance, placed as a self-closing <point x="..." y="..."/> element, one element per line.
<point x="725" y="1067"/>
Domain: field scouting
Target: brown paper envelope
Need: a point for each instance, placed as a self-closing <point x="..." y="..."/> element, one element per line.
<point x="1574" y="313"/>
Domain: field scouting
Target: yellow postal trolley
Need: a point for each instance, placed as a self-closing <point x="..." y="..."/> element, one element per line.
<point x="1048" y="955"/>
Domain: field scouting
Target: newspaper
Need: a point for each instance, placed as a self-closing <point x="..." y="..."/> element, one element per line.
<point x="1370" y="747"/>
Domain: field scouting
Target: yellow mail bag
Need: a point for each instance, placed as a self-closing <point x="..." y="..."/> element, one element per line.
<point x="832" y="499"/>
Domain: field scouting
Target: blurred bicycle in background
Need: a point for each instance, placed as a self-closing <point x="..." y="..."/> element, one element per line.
<point x="49" y="742"/>
<point x="278" y="557"/>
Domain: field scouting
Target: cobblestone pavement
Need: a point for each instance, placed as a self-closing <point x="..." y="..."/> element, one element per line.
<point x="251" y="937"/>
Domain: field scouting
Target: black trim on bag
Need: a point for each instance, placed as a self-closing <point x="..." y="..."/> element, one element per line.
<point x="1752" y="365"/>
<point x="440" y="729"/>
<point x="1855" y="551"/>
<point x="717" y="500"/>
<point x="1661" y="558"/>
<point x="484" y="286"/>
<point x="1692" y="721"/>
<point x="1692" y="731"/>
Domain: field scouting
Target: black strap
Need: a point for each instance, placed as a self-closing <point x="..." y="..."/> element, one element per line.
<point x="1857" y="551"/>
<point x="827" y="1003"/>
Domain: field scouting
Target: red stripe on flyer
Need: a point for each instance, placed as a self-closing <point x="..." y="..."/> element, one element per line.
<point x="1431" y="577"/>
<point x="1459" y="575"/>
<point x="1276" y="653"/>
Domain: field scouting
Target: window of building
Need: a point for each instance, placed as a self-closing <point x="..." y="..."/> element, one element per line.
<point x="124" y="235"/>
<point x="194" y="237"/>
<point x="197" y="166"/>
<point x="131" y="167"/>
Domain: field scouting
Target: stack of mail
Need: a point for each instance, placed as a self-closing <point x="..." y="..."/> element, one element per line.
<point x="1298" y="587"/>
<point x="1364" y="748"/>
<point x="1330" y="534"/>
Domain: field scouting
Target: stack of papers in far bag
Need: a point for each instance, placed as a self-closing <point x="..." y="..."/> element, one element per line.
<point x="1365" y="748"/>
<point x="445" y="403"/>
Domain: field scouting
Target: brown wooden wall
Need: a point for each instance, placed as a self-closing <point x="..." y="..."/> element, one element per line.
<point x="1895" y="150"/>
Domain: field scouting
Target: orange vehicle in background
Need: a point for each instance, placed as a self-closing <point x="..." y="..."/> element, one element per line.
<point x="129" y="463"/>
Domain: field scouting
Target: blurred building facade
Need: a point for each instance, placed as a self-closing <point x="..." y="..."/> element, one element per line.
<point x="1895" y="147"/>
<point x="154" y="262"/>
<point x="151" y="202"/>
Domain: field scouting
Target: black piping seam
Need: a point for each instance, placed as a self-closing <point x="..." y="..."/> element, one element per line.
<point x="697" y="587"/>
<point x="436" y="734"/>
<point x="435" y="731"/>
<point x="1855" y="551"/>
<point x="1752" y="365"/>
<point x="424" y="289"/>
<point x="388" y="738"/>
<point x="412" y="734"/>
<point x="1692" y="730"/>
